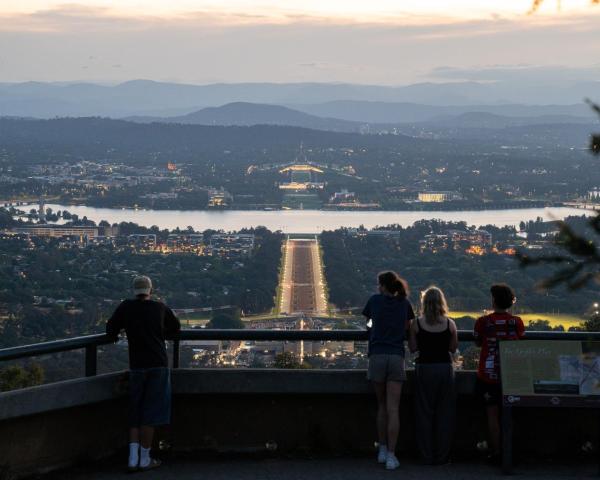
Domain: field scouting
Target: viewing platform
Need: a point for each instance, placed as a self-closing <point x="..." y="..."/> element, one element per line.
<point x="328" y="468"/>
<point x="264" y="423"/>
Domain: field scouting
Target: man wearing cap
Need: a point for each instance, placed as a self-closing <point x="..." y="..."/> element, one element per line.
<point x="147" y="323"/>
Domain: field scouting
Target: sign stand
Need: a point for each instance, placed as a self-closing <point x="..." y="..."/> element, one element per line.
<point x="546" y="374"/>
<point x="507" y="460"/>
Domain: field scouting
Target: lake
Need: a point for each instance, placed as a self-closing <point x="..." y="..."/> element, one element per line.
<point x="309" y="221"/>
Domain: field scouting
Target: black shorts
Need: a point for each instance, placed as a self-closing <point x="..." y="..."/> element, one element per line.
<point x="490" y="394"/>
<point x="149" y="397"/>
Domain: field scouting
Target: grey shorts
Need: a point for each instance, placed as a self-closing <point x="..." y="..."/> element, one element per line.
<point x="386" y="368"/>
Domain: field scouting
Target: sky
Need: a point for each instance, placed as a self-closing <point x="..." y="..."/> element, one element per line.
<point x="388" y="42"/>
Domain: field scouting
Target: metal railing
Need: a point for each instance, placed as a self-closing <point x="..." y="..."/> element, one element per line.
<point x="90" y="343"/>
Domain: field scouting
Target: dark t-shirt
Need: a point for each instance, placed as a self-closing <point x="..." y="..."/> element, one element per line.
<point x="390" y="317"/>
<point x="147" y="324"/>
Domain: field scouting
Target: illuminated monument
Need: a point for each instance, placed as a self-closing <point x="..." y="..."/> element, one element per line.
<point x="302" y="182"/>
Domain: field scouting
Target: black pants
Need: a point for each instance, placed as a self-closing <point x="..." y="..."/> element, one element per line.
<point x="435" y="406"/>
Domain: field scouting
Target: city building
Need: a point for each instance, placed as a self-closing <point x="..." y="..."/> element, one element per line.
<point x="184" y="243"/>
<point x="57" y="231"/>
<point x="42" y="211"/>
<point x="437" y="197"/>
<point x="343" y="196"/>
<point x="434" y="243"/>
<point x="593" y="195"/>
<point x="474" y="242"/>
<point x="359" y="232"/>
<point x="481" y="238"/>
<point x="301" y="177"/>
<point x="109" y="230"/>
<point x="161" y="196"/>
<point x="231" y="245"/>
<point x="142" y="241"/>
<point x="219" y="198"/>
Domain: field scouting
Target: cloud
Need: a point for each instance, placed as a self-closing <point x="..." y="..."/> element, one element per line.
<point x="67" y="17"/>
<point x="71" y="17"/>
<point x="202" y="46"/>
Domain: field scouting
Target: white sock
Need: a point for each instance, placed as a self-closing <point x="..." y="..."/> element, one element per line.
<point x="144" y="457"/>
<point x="382" y="448"/>
<point x="134" y="455"/>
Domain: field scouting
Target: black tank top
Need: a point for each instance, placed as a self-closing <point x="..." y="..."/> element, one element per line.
<point x="434" y="347"/>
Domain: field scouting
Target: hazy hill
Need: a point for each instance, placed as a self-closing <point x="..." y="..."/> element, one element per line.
<point x="407" y="112"/>
<point x="246" y="114"/>
<point x="77" y="138"/>
<point x="144" y="97"/>
<point x="491" y="120"/>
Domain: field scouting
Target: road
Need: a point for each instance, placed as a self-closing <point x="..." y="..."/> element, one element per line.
<point x="302" y="284"/>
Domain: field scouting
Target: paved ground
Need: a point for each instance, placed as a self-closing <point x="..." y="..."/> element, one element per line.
<point x="326" y="469"/>
<point x="302" y="288"/>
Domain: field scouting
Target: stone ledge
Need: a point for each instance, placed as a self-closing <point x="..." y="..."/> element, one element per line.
<point x="61" y="395"/>
<point x="223" y="411"/>
<point x="85" y="391"/>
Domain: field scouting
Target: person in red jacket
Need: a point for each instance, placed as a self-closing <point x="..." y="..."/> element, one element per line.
<point x="488" y="331"/>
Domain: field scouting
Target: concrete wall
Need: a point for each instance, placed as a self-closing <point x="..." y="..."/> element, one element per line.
<point x="273" y="411"/>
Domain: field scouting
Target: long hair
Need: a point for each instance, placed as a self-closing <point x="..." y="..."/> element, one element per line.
<point x="434" y="305"/>
<point x="393" y="283"/>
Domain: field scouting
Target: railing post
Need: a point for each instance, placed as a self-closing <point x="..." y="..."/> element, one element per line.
<point x="176" y="353"/>
<point x="91" y="360"/>
<point x="507" y="444"/>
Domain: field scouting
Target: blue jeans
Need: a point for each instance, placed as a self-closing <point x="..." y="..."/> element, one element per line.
<point x="149" y="397"/>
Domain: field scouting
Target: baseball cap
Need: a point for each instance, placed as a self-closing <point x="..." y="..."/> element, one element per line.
<point x="142" y="285"/>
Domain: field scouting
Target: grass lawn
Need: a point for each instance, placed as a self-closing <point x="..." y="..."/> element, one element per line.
<point x="555" y="320"/>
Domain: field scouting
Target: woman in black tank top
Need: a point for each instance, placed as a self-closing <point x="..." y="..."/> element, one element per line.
<point x="433" y="347"/>
<point x="435" y="338"/>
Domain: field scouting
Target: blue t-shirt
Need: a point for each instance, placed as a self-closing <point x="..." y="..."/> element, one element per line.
<point x="390" y="316"/>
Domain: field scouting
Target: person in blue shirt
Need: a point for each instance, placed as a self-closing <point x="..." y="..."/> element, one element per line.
<point x="390" y="314"/>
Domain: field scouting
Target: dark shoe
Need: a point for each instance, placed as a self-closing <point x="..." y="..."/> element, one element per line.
<point x="154" y="463"/>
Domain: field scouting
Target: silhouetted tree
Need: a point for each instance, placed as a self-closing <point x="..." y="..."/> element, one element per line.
<point x="15" y="377"/>
<point x="592" y="324"/>
<point x="226" y="322"/>
<point x="581" y="259"/>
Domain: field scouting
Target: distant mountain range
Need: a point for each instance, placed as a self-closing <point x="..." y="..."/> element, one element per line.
<point x="405" y="112"/>
<point x="358" y="103"/>
<point x="110" y="138"/>
<point x="248" y="114"/>
<point x="493" y="121"/>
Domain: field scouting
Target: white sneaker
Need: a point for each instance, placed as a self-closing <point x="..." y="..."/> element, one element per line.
<point x="391" y="463"/>
<point x="382" y="455"/>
